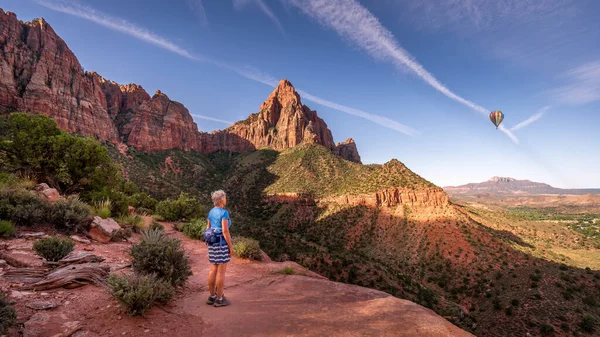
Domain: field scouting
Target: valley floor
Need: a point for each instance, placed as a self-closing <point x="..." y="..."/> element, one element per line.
<point x="265" y="302"/>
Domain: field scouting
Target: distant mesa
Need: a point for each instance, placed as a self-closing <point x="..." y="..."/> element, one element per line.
<point x="47" y="78"/>
<point x="512" y="186"/>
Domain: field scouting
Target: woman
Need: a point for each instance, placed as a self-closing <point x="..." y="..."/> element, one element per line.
<point x="218" y="253"/>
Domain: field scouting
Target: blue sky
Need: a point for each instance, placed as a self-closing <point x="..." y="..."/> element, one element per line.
<point x="406" y="79"/>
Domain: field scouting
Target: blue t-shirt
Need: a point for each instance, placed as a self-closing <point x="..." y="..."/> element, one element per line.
<point x="215" y="216"/>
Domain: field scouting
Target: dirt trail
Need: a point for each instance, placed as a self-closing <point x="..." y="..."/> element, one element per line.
<point x="265" y="302"/>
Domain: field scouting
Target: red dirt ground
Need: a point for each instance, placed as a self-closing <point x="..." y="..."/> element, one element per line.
<point x="265" y="302"/>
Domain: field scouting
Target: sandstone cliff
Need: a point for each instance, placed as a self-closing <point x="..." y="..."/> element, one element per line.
<point x="283" y="122"/>
<point x="40" y="74"/>
<point x="348" y="150"/>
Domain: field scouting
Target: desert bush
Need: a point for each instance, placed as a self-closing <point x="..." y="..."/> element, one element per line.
<point x="143" y="200"/>
<point x="70" y="213"/>
<point x="130" y="188"/>
<point x="588" y="323"/>
<point x="137" y="293"/>
<point x="13" y="181"/>
<point x="7" y="228"/>
<point x="34" y="144"/>
<point x="102" y="208"/>
<point x="157" y="226"/>
<point x="508" y="311"/>
<point x="161" y="255"/>
<point x="546" y="329"/>
<point x="132" y="221"/>
<point x="23" y="208"/>
<point x="287" y="271"/>
<point x="53" y="248"/>
<point x="8" y="315"/>
<point x="194" y="230"/>
<point x="157" y="217"/>
<point x="515" y="302"/>
<point x="144" y="211"/>
<point x="590" y="300"/>
<point x="246" y="248"/>
<point x="183" y="207"/>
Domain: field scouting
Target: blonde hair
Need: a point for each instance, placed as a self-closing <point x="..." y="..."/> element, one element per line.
<point x="218" y="197"/>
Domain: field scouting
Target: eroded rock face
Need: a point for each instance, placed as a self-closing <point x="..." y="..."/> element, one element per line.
<point x="348" y="150"/>
<point x="283" y="122"/>
<point x="40" y="74"/>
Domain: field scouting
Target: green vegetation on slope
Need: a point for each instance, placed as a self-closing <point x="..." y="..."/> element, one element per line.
<point x="314" y="170"/>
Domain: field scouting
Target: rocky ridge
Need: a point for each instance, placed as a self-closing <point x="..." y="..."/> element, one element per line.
<point x="512" y="186"/>
<point x="40" y="74"/>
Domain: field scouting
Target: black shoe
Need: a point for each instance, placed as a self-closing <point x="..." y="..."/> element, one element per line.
<point x="211" y="300"/>
<point x="222" y="302"/>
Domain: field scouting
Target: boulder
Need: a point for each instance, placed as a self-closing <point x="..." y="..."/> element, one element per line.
<point x="103" y="230"/>
<point x="50" y="194"/>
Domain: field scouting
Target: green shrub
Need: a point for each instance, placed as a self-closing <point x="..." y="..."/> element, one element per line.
<point x="7" y="229"/>
<point x="23" y="208"/>
<point x="195" y="230"/>
<point x="184" y="207"/>
<point x="143" y="200"/>
<point x="34" y="144"/>
<point x="157" y="217"/>
<point x="132" y="221"/>
<point x="590" y="300"/>
<point x="138" y="293"/>
<point x="102" y="208"/>
<point x="287" y="271"/>
<point x="546" y="329"/>
<point x="246" y="248"/>
<point x="130" y="188"/>
<point x="144" y="211"/>
<point x="157" y="226"/>
<point x="8" y="316"/>
<point x="53" y="248"/>
<point x="161" y="255"/>
<point x="71" y="214"/>
<point x="588" y="323"/>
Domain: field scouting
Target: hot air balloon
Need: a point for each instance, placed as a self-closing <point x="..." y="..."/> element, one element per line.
<point x="496" y="117"/>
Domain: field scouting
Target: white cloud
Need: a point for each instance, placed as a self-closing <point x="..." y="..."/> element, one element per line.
<point x="240" y="4"/>
<point x="118" y="25"/>
<point x="531" y="119"/>
<point x="383" y="121"/>
<point x="584" y="86"/>
<point x="208" y="118"/>
<point x="198" y="7"/>
<point x="355" y="23"/>
<point x="251" y="73"/>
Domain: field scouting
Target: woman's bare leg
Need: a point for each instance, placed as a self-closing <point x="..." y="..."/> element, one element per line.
<point x="212" y="278"/>
<point x="221" y="279"/>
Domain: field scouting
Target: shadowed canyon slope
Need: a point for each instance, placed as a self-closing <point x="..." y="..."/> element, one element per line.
<point x="40" y="74"/>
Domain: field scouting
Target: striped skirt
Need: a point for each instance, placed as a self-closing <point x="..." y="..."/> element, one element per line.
<point x="218" y="254"/>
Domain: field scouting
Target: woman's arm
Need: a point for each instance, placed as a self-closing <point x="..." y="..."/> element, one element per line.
<point x="226" y="234"/>
<point x="208" y="225"/>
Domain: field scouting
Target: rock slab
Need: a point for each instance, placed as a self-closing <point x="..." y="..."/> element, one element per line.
<point x="103" y="230"/>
